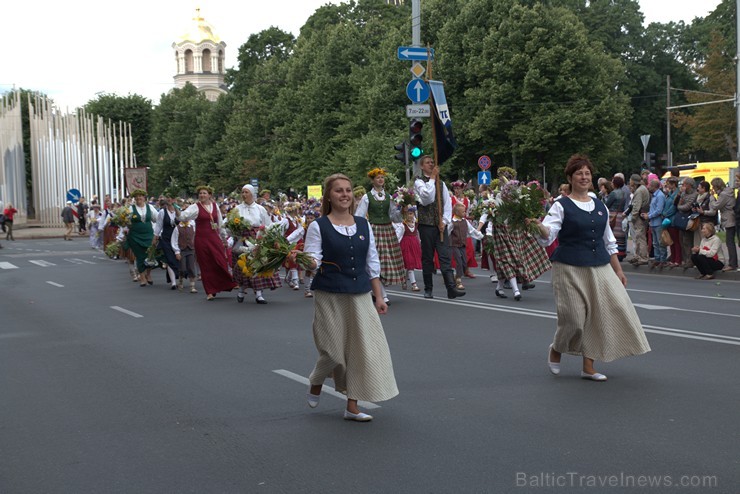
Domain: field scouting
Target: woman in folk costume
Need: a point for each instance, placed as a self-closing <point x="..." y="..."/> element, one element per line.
<point x="209" y="244"/>
<point x="596" y="318"/>
<point x="347" y="330"/>
<point x="258" y="217"/>
<point x="294" y="235"/>
<point x="165" y="225"/>
<point x="408" y="236"/>
<point x="95" y="218"/>
<point x="381" y="212"/>
<point x="457" y="197"/>
<point x="519" y="258"/>
<point x="141" y="234"/>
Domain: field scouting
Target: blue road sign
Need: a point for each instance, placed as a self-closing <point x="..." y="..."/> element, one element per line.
<point x="415" y="53"/>
<point x="484" y="178"/>
<point x="74" y="195"/>
<point x="417" y="91"/>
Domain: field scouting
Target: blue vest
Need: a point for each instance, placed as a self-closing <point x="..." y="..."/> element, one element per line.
<point x="343" y="261"/>
<point x="581" y="239"/>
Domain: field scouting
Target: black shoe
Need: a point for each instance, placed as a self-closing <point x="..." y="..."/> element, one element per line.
<point x="452" y="291"/>
<point x="500" y="293"/>
<point x="428" y="294"/>
<point x="528" y="286"/>
<point x="517" y="296"/>
<point x="260" y="300"/>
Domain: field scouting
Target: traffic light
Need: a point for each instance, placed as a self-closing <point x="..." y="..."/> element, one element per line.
<point x="651" y="160"/>
<point x="402" y="154"/>
<point x="415" y="138"/>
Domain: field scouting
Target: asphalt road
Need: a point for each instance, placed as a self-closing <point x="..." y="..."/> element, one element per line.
<point x="106" y="387"/>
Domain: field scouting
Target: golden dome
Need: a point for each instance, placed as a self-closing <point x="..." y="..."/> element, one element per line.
<point x="200" y="31"/>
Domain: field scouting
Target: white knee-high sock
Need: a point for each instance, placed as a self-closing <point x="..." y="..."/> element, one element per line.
<point x="411" y="275"/>
<point x="257" y="293"/>
<point x="293" y="274"/>
<point x="514" y="286"/>
<point x="173" y="279"/>
<point x="500" y="284"/>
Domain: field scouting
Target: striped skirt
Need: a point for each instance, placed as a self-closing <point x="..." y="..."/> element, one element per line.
<point x="596" y="318"/>
<point x="392" y="271"/>
<point x="352" y="346"/>
<point x="518" y="255"/>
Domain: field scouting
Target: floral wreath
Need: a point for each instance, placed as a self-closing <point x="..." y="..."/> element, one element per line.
<point x="359" y="190"/>
<point x="207" y="188"/>
<point x="138" y="192"/>
<point x="458" y="184"/>
<point x="375" y="172"/>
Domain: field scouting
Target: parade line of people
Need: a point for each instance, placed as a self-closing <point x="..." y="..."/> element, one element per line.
<point x="361" y="242"/>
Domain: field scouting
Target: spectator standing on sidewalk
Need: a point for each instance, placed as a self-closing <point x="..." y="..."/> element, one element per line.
<point x="685" y="204"/>
<point x="725" y="206"/>
<point x="640" y="208"/>
<point x="9" y="212"/>
<point x="655" y="219"/>
<point x="68" y="217"/>
<point x="669" y="211"/>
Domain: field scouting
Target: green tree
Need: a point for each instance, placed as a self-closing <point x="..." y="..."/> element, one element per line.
<point x="176" y="123"/>
<point x="134" y="109"/>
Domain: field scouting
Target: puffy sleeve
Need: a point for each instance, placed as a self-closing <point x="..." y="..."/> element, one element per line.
<point x="312" y="244"/>
<point x="372" y="261"/>
<point x="362" y="207"/>
<point x="190" y="213"/>
<point x="553" y="222"/>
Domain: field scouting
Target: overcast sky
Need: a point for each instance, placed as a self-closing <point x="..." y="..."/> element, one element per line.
<point x="73" y="49"/>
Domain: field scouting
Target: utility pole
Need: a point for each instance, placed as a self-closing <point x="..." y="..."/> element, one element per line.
<point x="669" y="159"/>
<point x="737" y="83"/>
<point x="416" y="22"/>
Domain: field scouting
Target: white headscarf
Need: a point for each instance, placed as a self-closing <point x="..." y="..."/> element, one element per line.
<point x="250" y="188"/>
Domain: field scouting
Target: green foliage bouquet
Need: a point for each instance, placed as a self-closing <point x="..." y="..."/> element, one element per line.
<point x="238" y="226"/>
<point x="270" y="251"/>
<point x="121" y="217"/>
<point x="518" y="202"/>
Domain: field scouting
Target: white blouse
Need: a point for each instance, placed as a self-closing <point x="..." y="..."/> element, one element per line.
<point x="159" y="225"/>
<point x="554" y="222"/>
<point x="364" y="205"/>
<point x="142" y="213"/>
<point x="255" y="214"/>
<point x="313" y="246"/>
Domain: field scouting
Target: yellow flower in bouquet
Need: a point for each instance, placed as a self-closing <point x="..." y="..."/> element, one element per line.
<point x="238" y="226"/>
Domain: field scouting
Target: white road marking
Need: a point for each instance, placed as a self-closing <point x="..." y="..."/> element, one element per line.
<point x="7" y="265"/>
<point x="7" y="336"/>
<point x="128" y="312"/>
<point x="55" y="284"/>
<point x="664" y="307"/>
<point x="678" y="333"/>
<point x="79" y="261"/>
<point x="43" y="264"/>
<point x="325" y="390"/>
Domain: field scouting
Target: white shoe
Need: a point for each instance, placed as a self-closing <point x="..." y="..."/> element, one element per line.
<point x="593" y="377"/>
<point x="357" y="417"/>
<point x="554" y="366"/>
<point x="494" y="278"/>
<point x="313" y="400"/>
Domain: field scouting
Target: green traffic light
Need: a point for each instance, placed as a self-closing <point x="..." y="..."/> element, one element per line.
<point x="416" y="152"/>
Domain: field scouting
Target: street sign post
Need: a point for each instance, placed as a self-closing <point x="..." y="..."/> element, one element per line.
<point x="484" y="178"/>
<point x="415" y="53"/>
<point x="484" y="162"/>
<point x="418" y="111"/>
<point x="417" y="91"/>
<point x="645" y="138"/>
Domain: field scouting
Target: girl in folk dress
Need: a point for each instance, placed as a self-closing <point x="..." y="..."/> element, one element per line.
<point x="347" y="330"/>
<point x="380" y="211"/>
<point x="94" y="217"/>
<point x="294" y="234"/>
<point x="410" y="246"/>
<point x="457" y="197"/>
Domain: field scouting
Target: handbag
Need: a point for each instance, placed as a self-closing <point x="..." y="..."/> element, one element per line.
<point x="665" y="238"/>
<point x="681" y="220"/>
<point x="693" y="224"/>
<point x="612" y="219"/>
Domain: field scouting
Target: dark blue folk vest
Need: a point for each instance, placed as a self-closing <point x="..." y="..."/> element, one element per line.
<point x="343" y="261"/>
<point x="581" y="239"/>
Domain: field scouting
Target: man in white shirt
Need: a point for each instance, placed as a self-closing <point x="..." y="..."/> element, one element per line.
<point x="425" y="188"/>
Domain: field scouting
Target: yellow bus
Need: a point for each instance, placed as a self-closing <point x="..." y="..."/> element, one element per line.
<point x="707" y="171"/>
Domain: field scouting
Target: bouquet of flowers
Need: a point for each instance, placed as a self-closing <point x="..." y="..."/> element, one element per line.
<point x="238" y="226"/>
<point x="404" y="196"/>
<point x="121" y="217"/>
<point x="269" y="252"/>
<point x="113" y="249"/>
<point x="153" y="255"/>
<point x="470" y="194"/>
<point x="483" y="207"/>
<point x="518" y="202"/>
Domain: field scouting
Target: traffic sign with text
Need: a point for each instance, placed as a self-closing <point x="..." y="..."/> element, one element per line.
<point x="415" y="53"/>
<point x="418" y="111"/>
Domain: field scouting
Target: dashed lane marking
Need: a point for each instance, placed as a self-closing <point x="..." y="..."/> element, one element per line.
<point x="325" y="390"/>
<point x="124" y="311"/>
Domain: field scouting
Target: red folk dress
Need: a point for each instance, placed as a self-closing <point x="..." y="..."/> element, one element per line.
<point x="211" y="254"/>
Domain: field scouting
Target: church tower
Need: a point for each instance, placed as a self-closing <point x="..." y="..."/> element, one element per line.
<point x="199" y="55"/>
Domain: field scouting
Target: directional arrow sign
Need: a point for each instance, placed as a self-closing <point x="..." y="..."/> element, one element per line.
<point x="484" y="178"/>
<point x="417" y="91"/>
<point x="415" y="53"/>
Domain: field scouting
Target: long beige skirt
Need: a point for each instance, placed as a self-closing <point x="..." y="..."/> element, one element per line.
<point x="596" y="318"/>
<point x="352" y="345"/>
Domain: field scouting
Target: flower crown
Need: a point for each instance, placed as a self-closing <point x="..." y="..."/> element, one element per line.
<point x="375" y="172"/>
<point x="458" y="184"/>
<point x="138" y="192"/>
<point x="207" y="188"/>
